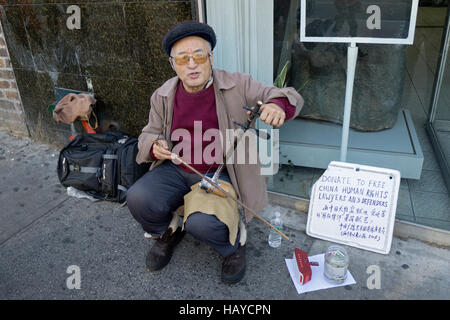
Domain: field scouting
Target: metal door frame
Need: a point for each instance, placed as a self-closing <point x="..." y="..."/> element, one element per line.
<point x="443" y="56"/>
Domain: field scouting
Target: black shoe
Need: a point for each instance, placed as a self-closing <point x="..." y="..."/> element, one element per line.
<point x="159" y="255"/>
<point x="233" y="267"/>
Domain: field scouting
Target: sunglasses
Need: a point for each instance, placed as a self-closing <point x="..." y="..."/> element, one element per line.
<point x="183" y="59"/>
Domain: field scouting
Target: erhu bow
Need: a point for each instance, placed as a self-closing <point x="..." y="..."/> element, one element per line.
<point x="212" y="185"/>
<point x="254" y="113"/>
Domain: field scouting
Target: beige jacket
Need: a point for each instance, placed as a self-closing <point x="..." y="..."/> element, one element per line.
<point x="232" y="92"/>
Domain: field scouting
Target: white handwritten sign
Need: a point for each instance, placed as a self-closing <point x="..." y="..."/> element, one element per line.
<point x="355" y="205"/>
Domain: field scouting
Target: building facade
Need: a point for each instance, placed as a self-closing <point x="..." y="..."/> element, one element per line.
<point x="399" y="117"/>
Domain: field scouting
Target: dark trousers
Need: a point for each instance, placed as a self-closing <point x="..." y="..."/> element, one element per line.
<point x="156" y="195"/>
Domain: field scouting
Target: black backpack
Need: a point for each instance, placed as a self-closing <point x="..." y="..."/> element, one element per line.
<point x="102" y="165"/>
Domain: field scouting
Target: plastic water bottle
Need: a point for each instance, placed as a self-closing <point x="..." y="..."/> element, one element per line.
<point x="275" y="237"/>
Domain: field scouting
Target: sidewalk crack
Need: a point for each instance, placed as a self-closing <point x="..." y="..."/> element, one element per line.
<point x="47" y="213"/>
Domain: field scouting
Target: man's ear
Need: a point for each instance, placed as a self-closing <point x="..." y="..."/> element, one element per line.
<point x="171" y="64"/>
<point x="211" y="58"/>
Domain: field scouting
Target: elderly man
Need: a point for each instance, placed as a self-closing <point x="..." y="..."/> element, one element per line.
<point x="200" y="98"/>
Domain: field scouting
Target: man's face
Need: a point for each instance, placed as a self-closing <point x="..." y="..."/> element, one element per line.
<point x="193" y="75"/>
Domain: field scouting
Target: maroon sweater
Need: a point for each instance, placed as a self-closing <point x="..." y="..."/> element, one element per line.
<point x="196" y="113"/>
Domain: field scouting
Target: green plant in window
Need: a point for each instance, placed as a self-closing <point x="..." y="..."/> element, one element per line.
<point x="280" y="82"/>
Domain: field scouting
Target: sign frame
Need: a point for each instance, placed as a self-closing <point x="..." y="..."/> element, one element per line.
<point x="408" y="41"/>
<point x="386" y="247"/>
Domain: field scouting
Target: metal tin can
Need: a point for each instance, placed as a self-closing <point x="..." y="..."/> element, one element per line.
<point x="336" y="264"/>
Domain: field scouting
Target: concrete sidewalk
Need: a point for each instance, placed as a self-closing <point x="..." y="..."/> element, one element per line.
<point x="43" y="232"/>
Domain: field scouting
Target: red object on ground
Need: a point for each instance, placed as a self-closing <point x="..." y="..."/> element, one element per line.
<point x="303" y="265"/>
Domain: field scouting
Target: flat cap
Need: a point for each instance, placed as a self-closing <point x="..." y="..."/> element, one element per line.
<point x="186" y="29"/>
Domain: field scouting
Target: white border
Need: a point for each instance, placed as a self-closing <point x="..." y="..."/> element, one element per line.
<point x="409" y="40"/>
<point x="391" y="219"/>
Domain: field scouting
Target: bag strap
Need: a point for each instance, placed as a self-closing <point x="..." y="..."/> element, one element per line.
<point x="122" y="188"/>
<point x="84" y="169"/>
<point x="96" y="121"/>
<point x="110" y="156"/>
<point x="88" y="119"/>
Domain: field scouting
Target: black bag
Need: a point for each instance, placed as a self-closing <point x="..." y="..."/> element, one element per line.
<point x="102" y="165"/>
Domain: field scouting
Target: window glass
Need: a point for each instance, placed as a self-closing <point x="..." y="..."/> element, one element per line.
<point x="318" y="70"/>
<point x="358" y="18"/>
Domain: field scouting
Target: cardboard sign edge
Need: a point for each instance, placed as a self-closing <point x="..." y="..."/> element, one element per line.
<point x="391" y="222"/>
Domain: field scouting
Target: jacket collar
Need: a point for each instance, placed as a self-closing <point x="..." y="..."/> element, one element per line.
<point x="169" y="86"/>
<point x="221" y="78"/>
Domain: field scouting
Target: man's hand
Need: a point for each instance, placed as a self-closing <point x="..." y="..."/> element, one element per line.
<point x="272" y="114"/>
<point x="161" y="150"/>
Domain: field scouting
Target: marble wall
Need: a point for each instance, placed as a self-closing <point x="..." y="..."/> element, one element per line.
<point x="117" y="48"/>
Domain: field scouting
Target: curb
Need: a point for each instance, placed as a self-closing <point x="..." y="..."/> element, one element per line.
<point x="402" y="229"/>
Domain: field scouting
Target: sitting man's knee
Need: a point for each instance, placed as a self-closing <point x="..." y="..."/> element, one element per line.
<point x="135" y="195"/>
<point x="195" y="225"/>
<point x="203" y="226"/>
<point x="140" y="199"/>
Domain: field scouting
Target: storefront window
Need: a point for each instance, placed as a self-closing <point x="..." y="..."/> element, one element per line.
<point x="318" y="70"/>
<point x="439" y="126"/>
<point x="442" y="117"/>
<point x="399" y="90"/>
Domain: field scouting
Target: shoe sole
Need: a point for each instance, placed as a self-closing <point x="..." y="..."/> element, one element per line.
<point x="234" y="278"/>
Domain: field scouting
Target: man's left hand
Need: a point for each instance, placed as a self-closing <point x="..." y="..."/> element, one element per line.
<point x="272" y="114"/>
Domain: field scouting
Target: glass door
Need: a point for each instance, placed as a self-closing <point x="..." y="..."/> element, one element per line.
<point x="439" y="121"/>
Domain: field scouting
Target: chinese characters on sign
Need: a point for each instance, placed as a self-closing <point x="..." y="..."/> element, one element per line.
<point x="359" y="211"/>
